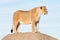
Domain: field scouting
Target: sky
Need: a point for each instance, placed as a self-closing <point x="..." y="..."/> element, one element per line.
<point x="49" y="24"/>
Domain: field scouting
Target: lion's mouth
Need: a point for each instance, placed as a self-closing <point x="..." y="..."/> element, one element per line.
<point x="46" y="13"/>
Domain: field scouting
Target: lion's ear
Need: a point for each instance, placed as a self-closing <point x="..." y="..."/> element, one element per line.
<point x="41" y="7"/>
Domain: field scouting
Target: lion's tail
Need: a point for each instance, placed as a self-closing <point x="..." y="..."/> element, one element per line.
<point x="12" y="30"/>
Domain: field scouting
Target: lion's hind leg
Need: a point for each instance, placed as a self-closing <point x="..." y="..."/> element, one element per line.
<point x="16" y="24"/>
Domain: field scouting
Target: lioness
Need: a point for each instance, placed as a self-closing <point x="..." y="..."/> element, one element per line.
<point x="28" y="17"/>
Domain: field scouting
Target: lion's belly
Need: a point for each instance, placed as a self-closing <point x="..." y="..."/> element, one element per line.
<point x="25" y="20"/>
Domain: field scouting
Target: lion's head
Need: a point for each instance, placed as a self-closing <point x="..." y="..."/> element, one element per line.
<point x="44" y="9"/>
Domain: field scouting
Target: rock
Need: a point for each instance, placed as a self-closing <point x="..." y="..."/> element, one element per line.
<point x="28" y="36"/>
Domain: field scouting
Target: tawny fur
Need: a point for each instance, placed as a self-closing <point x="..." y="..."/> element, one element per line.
<point x="28" y="17"/>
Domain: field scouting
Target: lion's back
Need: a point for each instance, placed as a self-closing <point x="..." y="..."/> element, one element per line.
<point x="23" y="16"/>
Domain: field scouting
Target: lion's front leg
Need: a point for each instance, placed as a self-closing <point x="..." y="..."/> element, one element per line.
<point x="33" y="27"/>
<point x="37" y="26"/>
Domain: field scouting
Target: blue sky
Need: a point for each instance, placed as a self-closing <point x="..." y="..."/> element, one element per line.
<point x="49" y="24"/>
